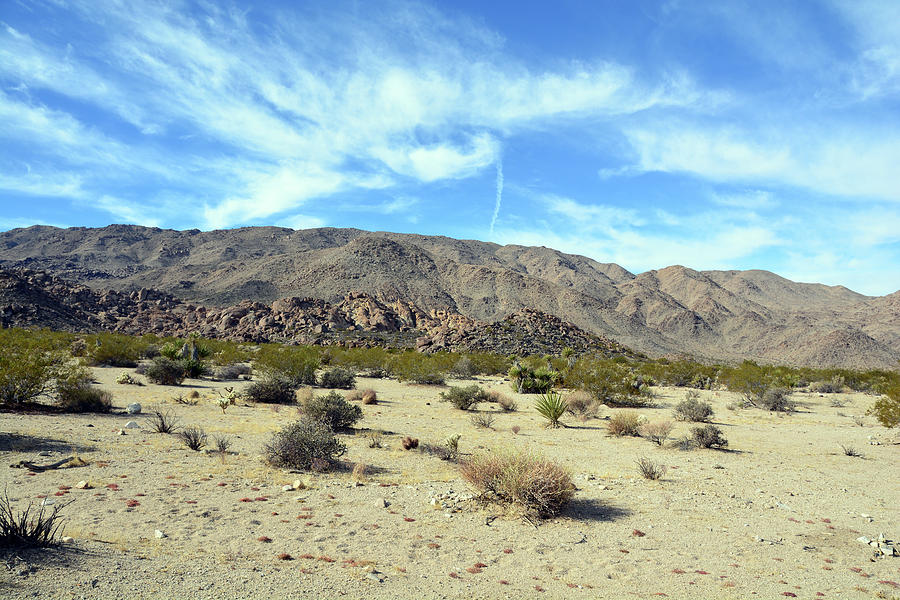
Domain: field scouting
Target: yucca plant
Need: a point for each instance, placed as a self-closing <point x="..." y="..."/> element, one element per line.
<point x="552" y="407"/>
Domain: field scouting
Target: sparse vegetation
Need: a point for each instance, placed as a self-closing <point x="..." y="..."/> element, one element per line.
<point x="529" y="481"/>
<point x="624" y="423"/>
<point x="27" y="367"/>
<point x="296" y="364"/>
<point x="409" y="443"/>
<point x="651" y="470"/>
<point x="416" y="367"/>
<point x="552" y="407"/>
<point x="708" y="436"/>
<point x="583" y="405"/>
<point x="333" y="410"/>
<point x="29" y="528"/>
<point x="851" y="451"/>
<point x="887" y="408"/>
<point x="610" y="382"/>
<point x="483" y="420"/>
<point x="306" y="444"/>
<point x="464" y="398"/>
<point x="222" y="443"/>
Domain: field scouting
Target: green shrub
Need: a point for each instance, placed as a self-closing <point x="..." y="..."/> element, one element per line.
<point x="529" y="380"/>
<point x="693" y="409"/>
<point x="304" y="444"/>
<point x="418" y="368"/>
<point x="297" y="364"/>
<point x="271" y="389"/>
<point x="552" y="407"/>
<point x="887" y="408"/>
<point x="74" y="393"/>
<point x="193" y="368"/>
<point x="833" y="386"/>
<point x="115" y="350"/>
<point x="164" y="371"/>
<point x="536" y="484"/>
<point x="464" y="398"/>
<point x="464" y="368"/>
<point x="708" y="436"/>
<point x="610" y="382"/>
<point x="775" y="399"/>
<point x="26" y="370"/>
<point x="333" y="410"/>
<point x="339" y="378"/>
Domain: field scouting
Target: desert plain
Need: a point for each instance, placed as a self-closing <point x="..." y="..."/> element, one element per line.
<point x="776" y="514"/>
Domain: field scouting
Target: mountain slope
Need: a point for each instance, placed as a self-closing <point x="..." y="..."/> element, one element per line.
<point x="720" y="315"/>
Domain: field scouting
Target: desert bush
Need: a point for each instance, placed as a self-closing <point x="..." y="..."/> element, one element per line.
<point x="193" y="437"/>
<point x="624" y="423"/>
<point x="708" y="436"/>
<point x="851" y="451"/>
<point x="232" y="371"/>
<point x="164" y="371"/>
<point x="651" y="470"/>
<point x="115" y="350"/>
<point x="529" y="481"/>
<point x="611" y="382"/>
<point x="693" y="409"/>
<point x="272" y="389"/>
<point x="656" y="431"/>
<point x="446" y="450"/>
<point x="505" y="403"/>
<point x="163" y="421"/>
<point x="775" y="399"/>
<point x="488" y="363"/>
<point x="409" y="443"/>
<point x="375" y="439"/>
<point x="369" y="397"/>
<point x="333" y="410"/>
<point x="530" y="380"/>
<point x="338" y="377"/>
<point x="297" y="364"/>
<point x="26" y="369"/>
<point x="583" y="405"/>
<point x="684" y="443"/>
<point x="29" y="529"/>
<point x="833" y="386"/>
<point x="552" y="407"/>
<point x="464" y="368"/>
<point x="483" y="420"/>
<point x="887" y="408"/>
<point x="416" y="367"/>
<point x="222" y="443"/>
<point x="304" y="444"/>
<point x="125" y="378"/>
<point x="465" y="398"/>
<point x="74" y="393"/>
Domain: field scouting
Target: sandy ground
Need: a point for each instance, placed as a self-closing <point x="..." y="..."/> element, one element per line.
<point x="777" y="515"/>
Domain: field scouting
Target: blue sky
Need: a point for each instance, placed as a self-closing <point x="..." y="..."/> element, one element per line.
<point x="716" y="135"/>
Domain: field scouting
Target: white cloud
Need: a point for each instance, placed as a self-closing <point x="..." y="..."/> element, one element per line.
<point x="442" y="161"/>
<point x="127" y="211"/>
<point x="299" y="221"/>
<point x="65" y="185"/>
<point x="751" y="199"/>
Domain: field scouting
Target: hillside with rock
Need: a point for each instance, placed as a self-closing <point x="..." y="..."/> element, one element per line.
<point x="712" y="315"/>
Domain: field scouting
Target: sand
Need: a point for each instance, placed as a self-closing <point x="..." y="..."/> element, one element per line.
<point x="776" y="515"/>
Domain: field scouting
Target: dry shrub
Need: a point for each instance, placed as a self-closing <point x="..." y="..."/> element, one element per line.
<point x="303" y="395"/>
<point x="333" y="410"/>
<point x="192" y="437"/>
<point x="583" y="405"/>
<point x="693" y="409"/>
<point x="359" y="472"/>
<point x="651" y="470"/>
<point x="28" y="529"/>
<point x="624" y="423"/>
<point x="483" y="420"/>
<point x="708" y="436"/>
<point x="657" y="431"/>
<point x="505" y="403"/>
<point x="409" y="443"/>
<point x="369" y="397"/>
<point x="353" y="396"/>
<point x="304" y="444"/>
<point x="526" y="480"/>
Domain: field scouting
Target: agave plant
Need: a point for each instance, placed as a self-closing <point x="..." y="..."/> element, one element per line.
<point x="552" y="407"/>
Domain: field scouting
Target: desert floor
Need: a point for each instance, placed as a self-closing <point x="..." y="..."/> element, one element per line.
<point x="777" y="514"/>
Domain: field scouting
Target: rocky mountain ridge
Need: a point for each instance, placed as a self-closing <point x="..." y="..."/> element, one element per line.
<point x="714" y="315"/>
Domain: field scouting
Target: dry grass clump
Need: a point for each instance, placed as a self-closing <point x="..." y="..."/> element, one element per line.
<point x="369" y="397"/>
<point x="28" y="529"/>
<point x="651" y="470"/>
<point x="656" y="431"/>
<point x="851" y="451"/>
<point x="505" y="403"/>
<point x="409" y="443"/>
<point x="526" y="480"/>
<point x="583" y="405"/>
<point x="483" y="420"/>
<point x="163" y="421"/>
<point x="624" y="423"/>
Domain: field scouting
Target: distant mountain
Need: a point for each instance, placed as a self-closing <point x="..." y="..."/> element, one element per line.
<point x="715" y="315"/>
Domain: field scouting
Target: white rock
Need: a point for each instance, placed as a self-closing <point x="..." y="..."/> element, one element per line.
<point x="299" y="485"/>
<point x="66" y="539"/>
<point x="287" y="488"/>
<point x="863" y="540"/>
<point x="159" y="534"/>
<point x="132" y="425"/>
<point x="82" y="485"/>
<point x="133" y="409"/>
<point x="381" y="503"/>
<point x="48" y="502"/>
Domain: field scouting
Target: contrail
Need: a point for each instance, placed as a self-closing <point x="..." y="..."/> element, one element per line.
<point x="499" y="194"/>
